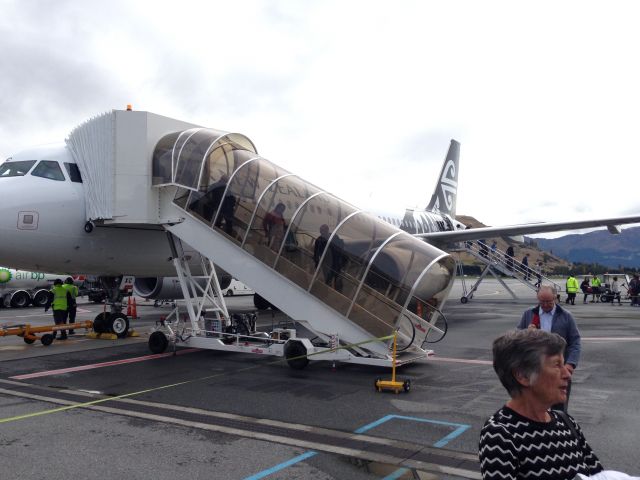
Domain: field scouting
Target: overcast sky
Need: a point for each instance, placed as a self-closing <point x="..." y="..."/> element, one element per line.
<point x="359" y="97"/>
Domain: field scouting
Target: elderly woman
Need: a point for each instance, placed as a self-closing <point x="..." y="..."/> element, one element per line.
<point x="525" y="439"/>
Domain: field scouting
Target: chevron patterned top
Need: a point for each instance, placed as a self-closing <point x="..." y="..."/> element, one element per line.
<point x="515" y="447"/>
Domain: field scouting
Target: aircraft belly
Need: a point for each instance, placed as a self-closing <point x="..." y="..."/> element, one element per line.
<point x="105" y="251"/>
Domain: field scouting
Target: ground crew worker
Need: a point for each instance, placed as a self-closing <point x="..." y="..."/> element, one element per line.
<point x="572" y="289"/>
<point x="58" y="301"/>
<point x="73" y="294"/>
<point x="595" y="288"/>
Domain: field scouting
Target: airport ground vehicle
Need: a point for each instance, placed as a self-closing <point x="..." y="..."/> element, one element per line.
<point x="236" y="287"/>
<point x="605" y="294"/>
<point x="20" y="288"/>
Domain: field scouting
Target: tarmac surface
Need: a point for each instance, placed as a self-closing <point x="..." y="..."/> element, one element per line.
<point x="96" y="409"/>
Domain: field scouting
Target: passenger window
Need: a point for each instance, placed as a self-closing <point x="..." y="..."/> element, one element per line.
<point x="73" y="171"/>
<point x="16" y="169"/>
<point x="48" y="169"/>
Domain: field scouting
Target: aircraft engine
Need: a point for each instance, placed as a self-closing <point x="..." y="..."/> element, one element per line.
<point x="168" y="288"/>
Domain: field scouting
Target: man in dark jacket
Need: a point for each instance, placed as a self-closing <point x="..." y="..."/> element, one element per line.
<point x="553" y="318"/>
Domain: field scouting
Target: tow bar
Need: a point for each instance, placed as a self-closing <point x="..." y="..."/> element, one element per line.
<point x="28" y="333"/>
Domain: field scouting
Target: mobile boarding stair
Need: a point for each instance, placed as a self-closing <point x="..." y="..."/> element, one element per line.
<point x="498" y="263"/>
<point x="365" y="282"/>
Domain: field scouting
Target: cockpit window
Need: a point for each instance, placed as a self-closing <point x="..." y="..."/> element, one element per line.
<point x="16" y="169"/>
<point x="73" y="171"/>
<point x="48" y="169"/>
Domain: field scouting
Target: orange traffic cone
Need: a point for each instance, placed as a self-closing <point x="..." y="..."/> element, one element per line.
<point x="129" y="307"/>
<point x="134" y="309"/>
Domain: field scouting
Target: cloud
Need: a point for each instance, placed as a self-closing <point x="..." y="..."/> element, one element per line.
<point x="360" y="99"/>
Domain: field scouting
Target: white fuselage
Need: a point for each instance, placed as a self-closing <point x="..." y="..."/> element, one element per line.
<point x="42" y="228"/>
<point x="55" y="240"/>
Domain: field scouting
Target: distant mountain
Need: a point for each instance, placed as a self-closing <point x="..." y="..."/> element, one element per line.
<point x="597" y="247"/>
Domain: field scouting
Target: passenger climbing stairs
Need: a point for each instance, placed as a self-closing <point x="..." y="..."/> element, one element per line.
<point x="500" y="265"/>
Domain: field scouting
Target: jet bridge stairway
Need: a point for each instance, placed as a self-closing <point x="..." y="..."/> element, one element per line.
<point x="311" y="307"/>
<point x="498" y="263"/>
<point x="348" y="277"/>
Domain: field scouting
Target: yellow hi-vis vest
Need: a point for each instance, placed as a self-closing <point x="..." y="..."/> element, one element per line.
<point x="595" y="282"/>
<point x="572" y="285"/>
<point x="59" y="297"/>
<point x="72" y="289"/>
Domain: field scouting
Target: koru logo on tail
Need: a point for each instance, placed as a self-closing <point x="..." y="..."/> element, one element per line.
<point x="448" y="185"/>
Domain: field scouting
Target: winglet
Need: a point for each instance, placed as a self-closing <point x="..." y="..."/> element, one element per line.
<point x="443" y="199"/>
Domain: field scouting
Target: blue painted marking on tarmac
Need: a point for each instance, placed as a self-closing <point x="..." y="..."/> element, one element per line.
<point x="460" y="428"/>
<point x="397" y="474"/>
<point x="374" y="424"/>
<point x="282" y="466"/>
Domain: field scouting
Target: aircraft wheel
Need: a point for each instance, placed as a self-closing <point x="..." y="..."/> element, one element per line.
<point x="158" y="342"/>
<point x="20" y="300"/>
<point x="101" y="323"/>
<point x="40" y="298"/>
<point x="229" y="293"/>
<point x="464" y="300"/>
<point x="46" y="339"/>
<point x="296" y="354"/>
<point x="119" y="324"/>
<point x="29" y="340"/>
<point x="406" y="385"/>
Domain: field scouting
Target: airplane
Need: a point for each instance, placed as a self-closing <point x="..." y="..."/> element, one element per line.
<point x="437" y="223"/>
<point x="43" y="191"/>
<point x="44" y="222"/>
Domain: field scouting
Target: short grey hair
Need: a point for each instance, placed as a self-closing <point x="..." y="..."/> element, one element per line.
<point x="548" y="288"/>
<point x="521" y="351"/>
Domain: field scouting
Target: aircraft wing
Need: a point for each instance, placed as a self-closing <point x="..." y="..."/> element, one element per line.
<point x="527" y="228"/>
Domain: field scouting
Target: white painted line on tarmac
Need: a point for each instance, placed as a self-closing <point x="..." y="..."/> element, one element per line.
<point x="611" y="339"/>
<point x="43" y="314"/>
<point x="100" y="365"/>
<point x="497" y="292"/>
<point x="461" y="360"/>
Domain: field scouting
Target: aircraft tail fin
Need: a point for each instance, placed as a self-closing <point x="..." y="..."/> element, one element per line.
<point x="443" y="199"/>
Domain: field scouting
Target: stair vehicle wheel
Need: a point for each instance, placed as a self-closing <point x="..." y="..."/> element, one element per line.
<point x="119" y="324"/>
<point x="158" y="342"/>
<point x="295" y="353"/>
<point x="101" y="323"/>
<point x="40" y="298"/>
<point x="464" y="300"/>
<point x="46" y="339"/>
<point x="20" y="299"/>
<point x="29" y="340"/>
<point x="260" y="303"/>
<point x="406" y="385"/>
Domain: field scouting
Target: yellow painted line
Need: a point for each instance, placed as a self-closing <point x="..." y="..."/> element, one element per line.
<point x="164" y="387"/>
